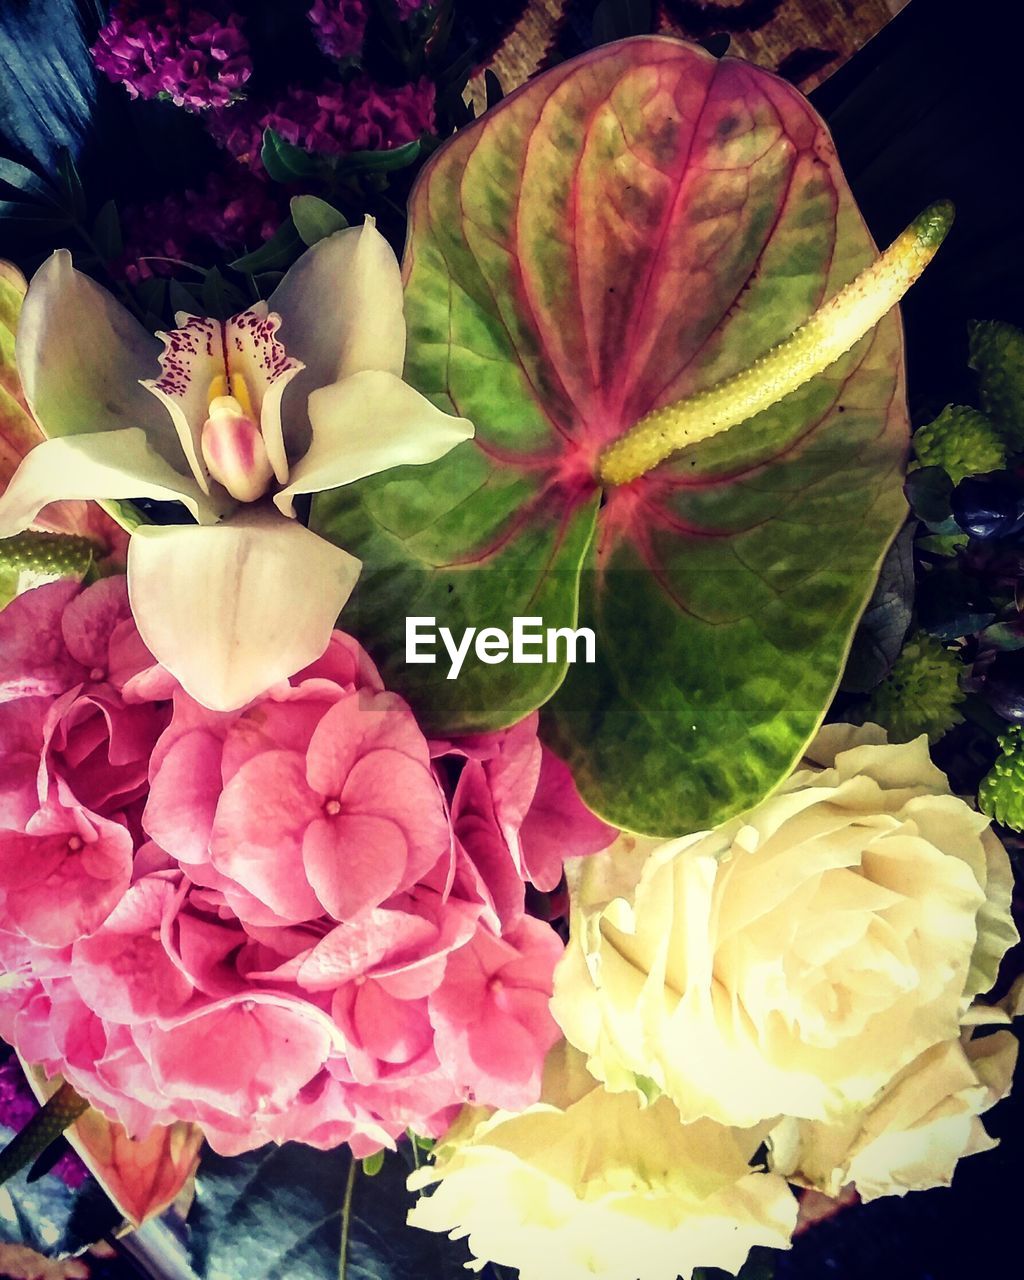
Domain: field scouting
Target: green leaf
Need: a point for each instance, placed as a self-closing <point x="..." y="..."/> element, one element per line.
<point x="33" y="217"/>
<point x="184" y="297"/>
<point x="315" y="219"/>
<point x="617" y="19"/>
<point x="107" y="232"/>
<point x="883" y="627"/>
<point x="72" y="191"/>
<point x="287" y="163"/>
<point x="279" y="252"/>
<point x="383" y="161"/>
<point x="47" y="1215"/>
<point x="627" y="230"/>
<point x="372" y="1165"/>
<point x="26" y="180"/>
<point x="220" y="298"/>
<point x="277" y="1213"/>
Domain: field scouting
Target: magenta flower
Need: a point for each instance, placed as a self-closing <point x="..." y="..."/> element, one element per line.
<point x="296" y="920"/>
<point x="333" y="120"/>
<point x="339" y="26"/>
<point x="175" y="50"/>
<point x="229" y="213"/>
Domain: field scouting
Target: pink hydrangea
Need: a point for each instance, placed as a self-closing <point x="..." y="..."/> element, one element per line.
<point x="334" y="120"/>
<point x="299" y="920"/>
<point x="174" y="49"/>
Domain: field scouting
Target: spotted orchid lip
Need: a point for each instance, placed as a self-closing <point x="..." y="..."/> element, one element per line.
<point x="203" y="359"/>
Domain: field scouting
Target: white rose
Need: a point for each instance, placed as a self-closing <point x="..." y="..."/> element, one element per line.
<point x="912" y="1136"/>
<point x="589" y="1185"/>
<point x="794" y="960"/>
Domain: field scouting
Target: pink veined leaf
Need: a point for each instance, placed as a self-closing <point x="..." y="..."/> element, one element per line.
<point x="624" y="232"/>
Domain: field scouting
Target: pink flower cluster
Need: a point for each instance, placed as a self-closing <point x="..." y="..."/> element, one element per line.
<point x="176" y="50"/>
<point x="235" y="214"/>
<point x="300" y="920"/>
<point x="333" y="120"/>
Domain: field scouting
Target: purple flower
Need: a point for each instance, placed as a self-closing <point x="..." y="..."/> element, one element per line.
<point x="174" y="50"/>
<point x="231" y="213"/>
<point x="339" y="26"/>
<point x="332" y="121"/>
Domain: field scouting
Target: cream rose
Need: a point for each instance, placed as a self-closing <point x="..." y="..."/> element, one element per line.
<point x="794" y="960"/>
<point x="589" y="1185"/>
<point x="912" y="1135"/>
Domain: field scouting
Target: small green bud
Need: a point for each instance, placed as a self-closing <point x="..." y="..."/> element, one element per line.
<point x="997" y="354"/>
<point x="1001" y="794"/>
<point x="921" y="694"/>
<point x="962" y="441"/>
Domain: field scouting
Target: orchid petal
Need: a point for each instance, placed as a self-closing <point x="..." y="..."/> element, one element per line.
<point x="192" y="357"/>
<point x="252" y="349"/>
<point x="81" y="356"/>
<point x="234" y="608"/>
<point x="107" y="465"/>
<point x="342" y="311"/>
<point x="368" y="423"/>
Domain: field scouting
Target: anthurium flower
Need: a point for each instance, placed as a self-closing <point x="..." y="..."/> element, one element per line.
<point x="234" y="419"/>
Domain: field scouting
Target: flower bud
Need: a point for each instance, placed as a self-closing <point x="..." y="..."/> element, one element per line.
<point x="234" y="451"/>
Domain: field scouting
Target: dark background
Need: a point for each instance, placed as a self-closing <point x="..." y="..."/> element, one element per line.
<point x="932" y="108"/>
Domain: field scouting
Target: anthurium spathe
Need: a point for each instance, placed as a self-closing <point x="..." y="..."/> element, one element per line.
<point x="636" y="275"/>
<point x="234" y="419"/>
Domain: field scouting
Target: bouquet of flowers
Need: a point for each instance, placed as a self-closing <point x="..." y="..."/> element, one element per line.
<point x="467" y="773"/>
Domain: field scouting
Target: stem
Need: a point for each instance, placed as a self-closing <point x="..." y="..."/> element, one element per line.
<point x="346" y="1218"/>
<point x="46" y="1126"/>
<point x="833" y="329"/>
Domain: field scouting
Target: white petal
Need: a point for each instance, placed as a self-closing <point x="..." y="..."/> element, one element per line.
<point x="369" y="423"/>
<point x="81" y="356"/>
<point x="108" y="465"/>
<point x="341" y="311"/>
<point x="231" y="609"/>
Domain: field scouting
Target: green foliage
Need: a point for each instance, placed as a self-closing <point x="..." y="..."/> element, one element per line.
<point x="921" y="694"/>
<point x="997" y="354"/>
<point x="315" y="219"/>
<point x="1001" y="794"/>
<point x="961" y="440"/>
<point x="287" y="1212"/>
